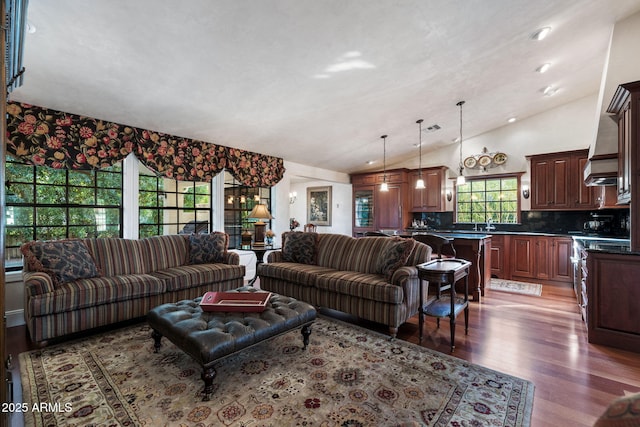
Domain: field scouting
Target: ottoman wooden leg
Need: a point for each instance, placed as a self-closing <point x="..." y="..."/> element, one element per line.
<point x="157" y="337"/>
<point x="306" y="332"/>
<point x="208" y="374"/>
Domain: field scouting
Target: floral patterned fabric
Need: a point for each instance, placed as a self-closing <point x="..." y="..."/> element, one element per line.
<point x="42" y="136"/>
<point x="64" y="260"/>
<point x="395" y="256"/>
<point x="300" y="247"/>
<point x="208" y="248"/>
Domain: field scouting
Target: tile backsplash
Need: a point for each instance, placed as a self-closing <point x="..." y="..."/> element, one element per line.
<point x="616" y="222"/>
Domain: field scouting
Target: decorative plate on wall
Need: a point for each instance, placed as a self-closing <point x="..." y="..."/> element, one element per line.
<point x="499" y="158"/>
<point x="470" y="162"/>
<point x="484" y="161"/>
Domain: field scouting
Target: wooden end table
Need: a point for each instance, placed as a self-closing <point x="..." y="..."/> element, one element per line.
<point x="444" y="273"/>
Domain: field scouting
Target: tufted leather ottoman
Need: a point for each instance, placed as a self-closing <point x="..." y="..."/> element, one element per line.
<point x="209" y="336"/>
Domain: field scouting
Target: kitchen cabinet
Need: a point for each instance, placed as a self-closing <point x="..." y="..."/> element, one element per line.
<point x="430" y="198"/>
<point x="557" y="182"/>
<point x="544" y="258"/>
<point x="500" y="256"/>
<point x="612" y="289"/>
<point x="377" y="210"/>
<point x="561" y="266"/>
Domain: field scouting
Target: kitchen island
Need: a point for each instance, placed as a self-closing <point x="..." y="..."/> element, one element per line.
<point x="609" y="291"/>
<point x="475" y="248"/>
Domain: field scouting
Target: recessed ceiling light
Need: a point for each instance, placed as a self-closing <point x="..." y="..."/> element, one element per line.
<point x="511" y="119"/>
<point x="543" y="68"/>
<point x="541" y="33"/>
<point x="30" y="28"/>
<point x="549" y="90"/>
<point x="370" y="162"/>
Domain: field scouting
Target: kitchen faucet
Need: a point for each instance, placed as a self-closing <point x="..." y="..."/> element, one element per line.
<point x="489" y="225"/>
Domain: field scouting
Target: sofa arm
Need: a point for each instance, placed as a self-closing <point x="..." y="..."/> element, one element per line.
<point x="232" y="258"/>
<point x="37" y="283"/>
<point x="407" y="278"/>
<point x="275" y="256"/>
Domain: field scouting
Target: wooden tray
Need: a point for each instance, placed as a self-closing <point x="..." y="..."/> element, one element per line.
<point x="235" y="301"/>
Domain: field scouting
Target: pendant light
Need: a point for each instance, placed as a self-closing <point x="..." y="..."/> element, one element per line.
<point x="460" y="180"/>
<point x="384" y="186"/>
<point x="420" y="181"/>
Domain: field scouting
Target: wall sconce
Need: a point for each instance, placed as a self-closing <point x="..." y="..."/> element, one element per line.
<point x="292" y="197"/>
<point x="449" y="195"/>
<point x="525" y="191"/>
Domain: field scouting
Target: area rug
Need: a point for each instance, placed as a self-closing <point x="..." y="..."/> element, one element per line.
<point x="515" y="287"/>
<point x="348" y="376"/>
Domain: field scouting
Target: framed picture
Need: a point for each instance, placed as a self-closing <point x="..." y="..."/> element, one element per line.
<point x="319" y="205"/>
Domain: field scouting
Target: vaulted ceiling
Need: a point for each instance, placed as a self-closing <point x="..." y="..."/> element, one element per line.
<point x="314" y="81"/>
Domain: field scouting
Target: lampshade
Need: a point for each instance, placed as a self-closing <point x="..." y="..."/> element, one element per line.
<point x="260" y="212"/>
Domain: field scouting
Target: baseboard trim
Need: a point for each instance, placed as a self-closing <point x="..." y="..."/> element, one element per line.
<point x="14" y="318"/>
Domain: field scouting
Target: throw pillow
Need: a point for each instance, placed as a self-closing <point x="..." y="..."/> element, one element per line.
<point x="208" y="248"/>
<point x="394" y="256"/>
<point x="64" y="260"/>
<point x="300" y="247"/>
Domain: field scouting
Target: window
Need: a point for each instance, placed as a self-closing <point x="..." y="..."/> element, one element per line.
<point x="168" y="206"/>
<point x="44" y="204"/>
<point x="239" y="200"/>
<point x="495" y="198"/>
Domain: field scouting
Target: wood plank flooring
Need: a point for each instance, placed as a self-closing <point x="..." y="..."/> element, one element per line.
<point x="542" y="339"/>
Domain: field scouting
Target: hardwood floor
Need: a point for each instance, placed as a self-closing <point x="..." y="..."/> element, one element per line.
<point x="542" y="339"/>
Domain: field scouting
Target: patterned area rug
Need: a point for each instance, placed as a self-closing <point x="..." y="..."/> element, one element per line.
<point x="348" y="376"/>
<point x="516" y="287"/>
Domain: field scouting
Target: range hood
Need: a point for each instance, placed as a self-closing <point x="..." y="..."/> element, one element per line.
<point x="621" y="66"/>
<point x="602" y="166"/>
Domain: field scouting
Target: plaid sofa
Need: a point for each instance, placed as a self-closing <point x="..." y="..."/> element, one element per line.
<point x="78" y="284"/>
<point x="374" y="278"/>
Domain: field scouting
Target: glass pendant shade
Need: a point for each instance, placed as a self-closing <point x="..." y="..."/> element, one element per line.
<point x="460" y="180"/>
<point x="384" y="187"/>
<point x="420" y="184"/>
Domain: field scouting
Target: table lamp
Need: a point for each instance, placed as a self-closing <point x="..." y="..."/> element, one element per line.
<point x="260" y="212"/>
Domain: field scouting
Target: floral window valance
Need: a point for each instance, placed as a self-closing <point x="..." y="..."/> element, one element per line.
<point x="42" y="136"/>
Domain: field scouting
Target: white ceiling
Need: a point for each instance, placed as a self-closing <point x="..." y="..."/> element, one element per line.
<point x="314" y="81"/>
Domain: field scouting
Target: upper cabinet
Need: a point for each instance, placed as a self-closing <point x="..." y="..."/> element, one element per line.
<point x="557" y="182"/>
<point x="380" y="210"/>
<point x="430" y="198"/>
<point x="626" y="106"/>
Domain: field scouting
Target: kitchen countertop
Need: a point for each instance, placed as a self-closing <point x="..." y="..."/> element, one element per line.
<point x="589" y="242"/>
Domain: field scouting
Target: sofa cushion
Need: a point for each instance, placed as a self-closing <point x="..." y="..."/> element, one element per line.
<point x="63" y="260"/>
<point x="208" y="248"/>
<point x="367" y="286"/>
<point x="166" y="251"/>
<point x="300" y="247"/>
<point x="302" y="274"/>
<point x="188" y="276"/>
<point x="116" y="256"/>
<point x="95" y="291"/>
<point x="394" y="256"/>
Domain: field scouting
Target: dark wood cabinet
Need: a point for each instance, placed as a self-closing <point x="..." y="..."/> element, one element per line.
<point x="557" y="182"/>
<point x="500" y="256"/>
<point x="544" y="258"/>
<point x="561" y="266"/>
<point x="380" y="210"/>
<point x="522" y="261"/>
<point x="613" y="289"/>
<point x="430" y="198"/>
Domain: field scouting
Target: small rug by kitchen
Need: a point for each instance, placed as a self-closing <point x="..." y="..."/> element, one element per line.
<point x="348" y="376"/>
<point x="515" y="287"/>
